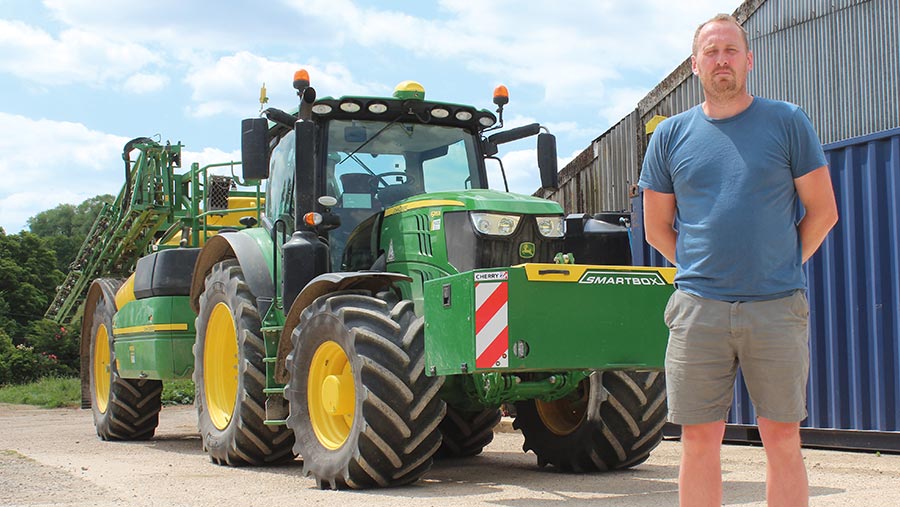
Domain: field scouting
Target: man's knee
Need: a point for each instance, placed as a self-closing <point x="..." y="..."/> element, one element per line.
<point x="702" y="437"/>
<point x="776" y="434"/>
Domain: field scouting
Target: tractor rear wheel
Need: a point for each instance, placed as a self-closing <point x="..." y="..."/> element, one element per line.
<point x="363" y="412"/>
<point x="467" y="433"/>
<point x="629" y="414"/>
<point x="123" y="409"/>
<point x="230" y="375"/>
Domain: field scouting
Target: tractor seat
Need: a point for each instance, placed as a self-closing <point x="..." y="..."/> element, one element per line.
<point x="357" y="191"/>
<point x="356" y="183"/>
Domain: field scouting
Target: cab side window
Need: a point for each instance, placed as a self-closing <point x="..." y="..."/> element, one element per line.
<point x="280" y="190"/>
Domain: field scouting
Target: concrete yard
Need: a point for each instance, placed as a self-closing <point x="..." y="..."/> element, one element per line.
<point x="53" y="457"/>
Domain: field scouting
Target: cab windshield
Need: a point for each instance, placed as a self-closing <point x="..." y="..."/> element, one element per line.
<point x="372" y="164"/>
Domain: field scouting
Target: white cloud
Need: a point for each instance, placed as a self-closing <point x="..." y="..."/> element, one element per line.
<point x="37" y="174"/>
<point x="563" y="127"/>
<point x="17" y="208"/>
<point x="522" y="173"/>
<point x="582" y="51"/>
<point x="622" y="101"/>
<point x="46" y="163"/>
<point x="230" y="84"/>
<point x="145" y="83"/>
<point x="76" y="56"/>
<point x="209" y="156"/>
<point x="517" y="120"/>
<point x="231" y="26"/>
<point x="573" y="49"/>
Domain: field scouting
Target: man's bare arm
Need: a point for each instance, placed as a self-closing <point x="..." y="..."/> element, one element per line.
<point x="659" y="222"/>
<point x="817" y="195"/>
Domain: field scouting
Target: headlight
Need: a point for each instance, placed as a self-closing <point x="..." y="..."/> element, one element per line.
<point x="321" y="109"/>
<point x="486" y="121"/>
<point x="494" y="225"/>
<point x="350" y="107"/>
<point x="551" y="227"/>
<point x="377" y="107"/>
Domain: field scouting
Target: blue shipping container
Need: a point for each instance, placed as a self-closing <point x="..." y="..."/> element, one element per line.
<point x="854" y="294"/>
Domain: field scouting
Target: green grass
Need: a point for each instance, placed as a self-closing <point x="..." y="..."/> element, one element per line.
<point x="66" y="392"/>
<point x="48" y="393"/>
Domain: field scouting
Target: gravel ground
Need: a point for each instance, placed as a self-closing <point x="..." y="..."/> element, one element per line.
<point x="53" y="457"/>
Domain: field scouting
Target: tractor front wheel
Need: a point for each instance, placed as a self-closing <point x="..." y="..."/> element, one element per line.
<point x="363" y="412"/>
<point x="629" y="414"/>
<point x="230" y="375"/>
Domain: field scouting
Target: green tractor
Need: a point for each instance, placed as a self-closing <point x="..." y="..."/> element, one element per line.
<point x="387" y="304"/>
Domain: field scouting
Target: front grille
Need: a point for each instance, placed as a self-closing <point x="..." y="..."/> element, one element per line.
<point x="423" y="237"/>
<point x="467" y="250"/>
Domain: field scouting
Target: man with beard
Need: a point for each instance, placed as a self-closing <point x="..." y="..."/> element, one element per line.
<point x="722" y="182"/>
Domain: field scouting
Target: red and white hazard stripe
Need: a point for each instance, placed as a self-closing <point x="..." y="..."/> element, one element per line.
<point x="491" y="325"/>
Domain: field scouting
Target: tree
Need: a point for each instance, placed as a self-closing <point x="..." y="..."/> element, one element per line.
<point x="28" y="281"/>
<point x="66" y="226"/>
<point x="32" y="265"/>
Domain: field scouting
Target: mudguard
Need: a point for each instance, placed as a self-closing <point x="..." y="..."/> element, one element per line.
<point x="249" y="254"/>
<point x="320" y="286"/>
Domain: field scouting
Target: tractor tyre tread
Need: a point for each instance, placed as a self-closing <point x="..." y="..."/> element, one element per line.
<point x="134" y="404"/>
<point x="631" y="422"/>
<point x="394" y="432"/>
<point x="467" y="433"/>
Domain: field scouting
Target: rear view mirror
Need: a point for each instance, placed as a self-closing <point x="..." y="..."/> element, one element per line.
<point x="440" y="151"/>
<point x="355" y="134"/>
<point x="255" y="148"/>
<point x="515" y="134"/>
<point x="547" y="162"/>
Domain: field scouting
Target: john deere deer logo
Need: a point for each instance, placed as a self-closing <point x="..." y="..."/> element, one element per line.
<point x="526" y="250"/>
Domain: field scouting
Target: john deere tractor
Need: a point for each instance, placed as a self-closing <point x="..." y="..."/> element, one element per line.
<point x="386" y="303"/>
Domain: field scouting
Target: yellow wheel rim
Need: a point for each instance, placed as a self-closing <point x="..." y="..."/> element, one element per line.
<point x="102" y="370"/>
<point x="563" y="416"/>
<point x="220" y="366"/>
<point x="331" y="395"/>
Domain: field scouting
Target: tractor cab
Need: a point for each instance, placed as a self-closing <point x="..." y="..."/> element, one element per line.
<point x="363" y="183"/>
<point x="373" y="165"/>
<point x="346" y="160"/>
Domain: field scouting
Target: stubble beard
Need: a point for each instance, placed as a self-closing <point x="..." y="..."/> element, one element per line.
<point x="721" y="90"/>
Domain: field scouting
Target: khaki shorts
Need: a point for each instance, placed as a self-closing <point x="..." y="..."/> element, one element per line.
<point x="709" y="339"/>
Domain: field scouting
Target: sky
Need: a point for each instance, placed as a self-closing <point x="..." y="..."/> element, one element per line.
<point x="79" y="78"/>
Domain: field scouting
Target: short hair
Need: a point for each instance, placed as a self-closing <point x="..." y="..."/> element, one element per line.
<point x="720" y="17"/>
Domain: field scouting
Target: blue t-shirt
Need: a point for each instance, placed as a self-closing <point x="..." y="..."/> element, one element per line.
<point x="736" y="205"/>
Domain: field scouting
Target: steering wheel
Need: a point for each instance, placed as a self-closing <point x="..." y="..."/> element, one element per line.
<point x="377" y="182"/>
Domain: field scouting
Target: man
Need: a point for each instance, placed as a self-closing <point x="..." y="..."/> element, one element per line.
<point x="721" y="183"/>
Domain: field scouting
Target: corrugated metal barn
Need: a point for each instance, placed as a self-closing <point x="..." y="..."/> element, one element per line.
<point x="840" y="61"/>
